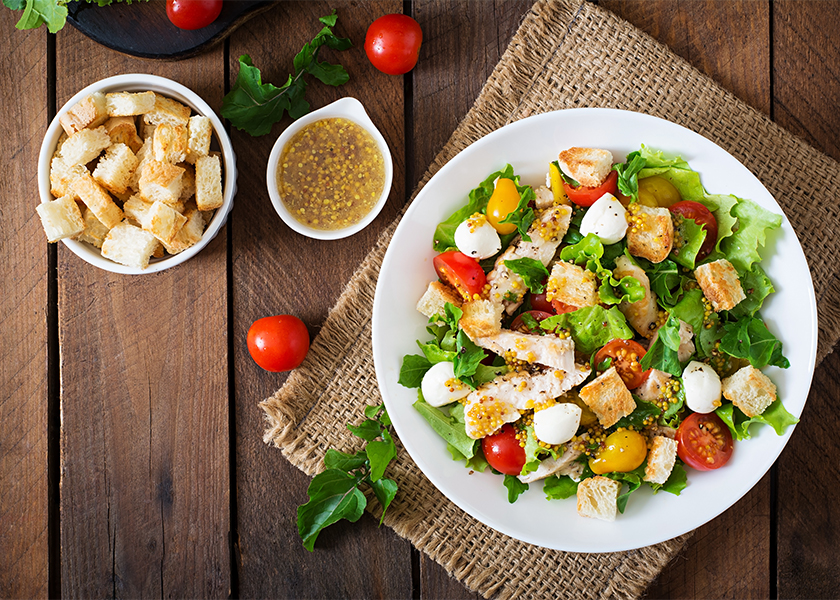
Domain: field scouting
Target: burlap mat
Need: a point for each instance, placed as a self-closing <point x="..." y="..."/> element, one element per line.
<point x="566" y="54"/>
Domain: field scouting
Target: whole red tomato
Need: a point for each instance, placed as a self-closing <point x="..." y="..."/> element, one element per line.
<point x="278" y="343"/>
<point x="193" y="14"/>
<point x="393" y="43"/>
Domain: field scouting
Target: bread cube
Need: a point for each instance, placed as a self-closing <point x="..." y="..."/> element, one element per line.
<point x="170" y="143"/>
<point x="63" y="175"/>
<point x="61" y="218"/>
<point x="114" y="169"/>
<point x="190" y="234"/>
<point x="98" y="200"/>
<point x="597" y="498"/>
<point x="129" y="246"/>
<point x="720" y="284"/>
<point x="137" y="209"/>
<point x="95" y="231"/>
<point x="572" y="285"/>
<point x="188" y="181"/>
<point x="90" y="112"/>
<point x="434" y="299"/>
<point x="208" y="182"/>
<point x="481" y="318"/>
<point x="651" y="232"/>
<point x="161" y="181"/>
<point x="200" y="134"/>
<point x="608" y="397"/>
<point x="123" y="130"/>
<point x="660" y="459"/>
<point x="167" y="110"/>
<point x="750" y="390"/>
<point x="588" y="166"/>
<point x="127" y="104"/>
<point x="163" y="222"/>
<point x="144" y="155"/>
<point x="82" y="147"/>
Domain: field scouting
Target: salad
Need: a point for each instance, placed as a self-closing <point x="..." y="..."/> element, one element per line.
<point x="601" y="332"/>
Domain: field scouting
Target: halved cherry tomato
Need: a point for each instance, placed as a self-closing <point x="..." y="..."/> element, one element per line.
<point x="586" y="196"/>
<point x="539" y="302"/>
<point x="193" y="14"/>
<point x="520" y="325"/>
<point x="625" y="355"/>
<point x="658" y="191"/>
<point x="461" y="272"/>
<point x="704" y="442"/>
<point x="562" y="308"/>
<point x="503" y="452"/>
<point x="622" y="451"/>
<point x="504" y="201"/>
<point x="703" y="217"/>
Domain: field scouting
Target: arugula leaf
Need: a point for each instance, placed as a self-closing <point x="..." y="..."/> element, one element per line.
<point x="691" y="310"/>
<point x="254" y="107"/>
<point x="380" y="453"/>
<point x="749" y="338"/>
<point x="368" y="429"/>
<point x="532" y="452"/>
<point x="514" y="487"/>
<point x="671" y="418"/>
<point x="567" y="178"/>
<point x="15" y="4"/>
<point x="413" y="369"/>
<point x="38" y="12"/>
<point x="642" y="411"/>
<point x="591" y="326"/>
<point x="342" y="461"/>
<point x="447" y="426"/>
<point x="633" y="479"/>
<point x="435" y="354"/>
<point x="757" y="286"/>
<point x="676" y="483"/>
<point x="559" y="487"/>
<point x="532" y="271"/>
<point x="523" y="215"/>
<point x="775" y="415"/>
<point x="628" y="183"/>
<point x="468" y="357"/>
<point x="385" y="491"/>
<point x="662" y="353"/>
<point x="665" y="280"/>
<point x="333" y="495"/>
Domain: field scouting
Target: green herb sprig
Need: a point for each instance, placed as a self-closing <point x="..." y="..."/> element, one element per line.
<point x="336" y="493"/>
<point x="254" y="106"/>
<point x="51" y="12"/>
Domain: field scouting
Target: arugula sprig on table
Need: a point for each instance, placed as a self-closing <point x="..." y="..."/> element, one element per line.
<point x="254" y="106"/>
<point x="336" y="493"/>
<point x="51" y="12"/>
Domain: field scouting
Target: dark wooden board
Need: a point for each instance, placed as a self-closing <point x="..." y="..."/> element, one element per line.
<point x="24" y="410"/>
<point x="142" y="29"/>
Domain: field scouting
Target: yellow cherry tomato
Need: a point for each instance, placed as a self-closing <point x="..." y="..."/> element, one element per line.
<point x="623" y="451"/>
<point x="504" y="201"/>
<point x="557" y="184"/>
<point x="657" y="191"/>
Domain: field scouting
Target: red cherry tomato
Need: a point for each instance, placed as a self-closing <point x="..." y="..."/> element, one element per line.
<point x="539" y="302"/>
<point x="704" y="442"/>
<point x="278" y="343"/>
<point x="461" y="272"/>
<point x="562" y="308"/>
<point x="193" y="14"/>
<point x="626" y="364"/>
<point x="503" y="452"/>
<point x="586" y="196"/>
<point x="393" y="43"/>
<point x="703" y="217"/>
<point x="520" y="325"/>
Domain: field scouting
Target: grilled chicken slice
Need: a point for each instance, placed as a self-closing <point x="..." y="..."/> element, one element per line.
<point x="562" y="465"/>
<point x="548" y="350"/>
<point x="642" y="314"/>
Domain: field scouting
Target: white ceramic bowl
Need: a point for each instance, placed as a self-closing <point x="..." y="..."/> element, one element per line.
<point x="140" y="82"/>
<point x="352" y="110"/>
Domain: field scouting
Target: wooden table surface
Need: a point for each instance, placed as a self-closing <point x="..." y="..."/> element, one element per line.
<point x="131" y="453"/>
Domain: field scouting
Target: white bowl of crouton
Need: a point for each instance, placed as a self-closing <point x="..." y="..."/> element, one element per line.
<point x="136" y="174"/>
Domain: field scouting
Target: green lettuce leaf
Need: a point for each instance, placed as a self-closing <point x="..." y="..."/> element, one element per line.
<point x="559" y="487"/>
<point x="750" y="339"/>
<point x="690" y="309"/>
<point x="532" y="272"/>
<point x="532" y="452"/>
<point x="757" y="286"/>
<point x="447" y="426"/>
<point x="776" y="415"/>
<point x="514" y="487"/>
<point x="591" y="326"/>
<point x="662" y="353"/>
<point x="741" y="249"/>
<point x="589" y="252"/>
<point x="38" y="12"/>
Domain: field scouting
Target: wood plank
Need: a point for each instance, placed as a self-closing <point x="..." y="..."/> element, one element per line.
<point x="462" y="43"/>
<point x="275" y="271"/>
<point x="728" y="41"/>
<point x="24" y="561"/>
<point x="805" y="99"/>
<point x="145" y="473"/>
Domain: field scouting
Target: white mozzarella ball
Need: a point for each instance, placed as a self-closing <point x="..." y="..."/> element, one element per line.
<point x="557" y="424"/>
<point x="702" y="387"/>
<point x="477" y="238"/>
<point x="606" y="218"/>
<point x="440" y="386"/>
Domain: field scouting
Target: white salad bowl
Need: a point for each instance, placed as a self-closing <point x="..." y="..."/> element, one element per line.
<point x="352" y="110"/>
<point x="529" y="145"/>
<point x="140" y="82"/>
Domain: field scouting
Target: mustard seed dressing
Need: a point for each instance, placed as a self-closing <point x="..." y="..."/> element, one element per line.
<point x="331" y="174"/>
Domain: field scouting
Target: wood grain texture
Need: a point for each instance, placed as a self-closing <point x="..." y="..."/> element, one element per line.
<point x="806" y="95"/>
<point x="24" y="566"/>
<point x="275" y="271"/>
<point x="145" y="475"/>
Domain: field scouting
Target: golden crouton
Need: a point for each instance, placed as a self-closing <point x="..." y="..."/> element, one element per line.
<point x="61" y="218"/>
<point x="188" y="181"/>
<point x="651" y="232"/>
<point x="137" y="208"/>
<point x="63" y="175"/>
<point x="127" y="104"/>
<point x="572" y="285"/>
<point x="589" y="166"/>
<point x="597" y="497"/>
<point x="200" y="133"/>
<point x="98" y="200"/>
<point x="208" y="182"/>
<point x="750" y="390"/>
<point x="163" y="222"/>
<point x="167" y="110"/>
<point x="95" y="231"/>
<point x="161" y="181"/>
<point x="170" y="143"/>
<point x="129" y="245"/>
<point x="434" y="299"/>
<point x="660" y="459"/>
<point x="608" y="397"/>
<point x="190" y="234"/>
<point x="720" y="284"/>
<point x="481" y="318"/>
<point x="123" y="130"/>
<point x="90" y="112"/>
<point x="82" y="147"/>
<point x="115" y="168"/>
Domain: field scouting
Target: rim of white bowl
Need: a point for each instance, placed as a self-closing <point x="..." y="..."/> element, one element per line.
<point x="353" y="110"/>
<point x="134" y="82"/>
